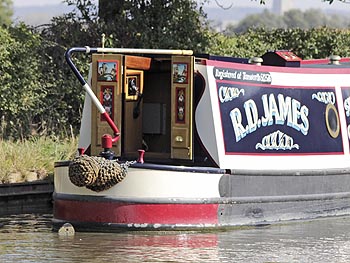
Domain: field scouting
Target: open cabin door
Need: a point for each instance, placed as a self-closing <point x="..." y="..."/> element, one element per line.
<point x="182" y="107"/>
<point x="134" y="67"/>
<point x="132" y="116"/>
<point x="106" y="83"/>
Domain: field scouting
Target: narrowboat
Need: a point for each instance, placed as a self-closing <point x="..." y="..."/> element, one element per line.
<point x="172" y="140"/>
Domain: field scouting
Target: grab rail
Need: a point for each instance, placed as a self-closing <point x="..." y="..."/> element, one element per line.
<point x="88" y="89"/>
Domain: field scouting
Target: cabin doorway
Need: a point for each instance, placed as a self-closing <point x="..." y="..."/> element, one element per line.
<point x="158" y="111"/>
<point x="146" y="108"/>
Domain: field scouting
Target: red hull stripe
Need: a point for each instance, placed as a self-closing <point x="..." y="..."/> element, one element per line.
<point x="130" y="213"/>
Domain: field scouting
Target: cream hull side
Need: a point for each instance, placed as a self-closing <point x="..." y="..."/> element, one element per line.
<point x="147" y="183"/>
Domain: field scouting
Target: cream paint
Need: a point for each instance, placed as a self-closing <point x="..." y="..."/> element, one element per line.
<point x="342" y="120"/>
<point x="311" y="80"/>
<point x="204" y="118"/>
<point x="216" y="113"/>
<point x="85" y="127"/>
<point x="148" y="183"/>
<point x="289" y="162"/>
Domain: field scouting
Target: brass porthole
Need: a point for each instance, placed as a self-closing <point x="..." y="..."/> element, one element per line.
<point x="332" y="120"/>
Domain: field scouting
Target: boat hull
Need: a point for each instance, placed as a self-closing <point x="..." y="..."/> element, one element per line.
<point x="178" y="198"/>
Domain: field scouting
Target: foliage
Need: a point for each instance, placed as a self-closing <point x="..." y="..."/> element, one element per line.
<point x="313" y="43"/>
<point x="35" y="155"/>
<point x="291" y="19"/>
<point x="154" y="24"/>
<point x="34" y="97"/>
<point x="132" y="23"/>
<point x="6" y="12"/>
<point x="21" y="89"/>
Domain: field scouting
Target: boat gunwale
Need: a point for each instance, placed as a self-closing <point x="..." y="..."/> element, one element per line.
<point x="235" y="172"/>
<point x="164" y="167"/>
<point x="214" y="200"/>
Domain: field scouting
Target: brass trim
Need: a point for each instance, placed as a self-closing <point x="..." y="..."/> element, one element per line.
<point x="333" y="133"/>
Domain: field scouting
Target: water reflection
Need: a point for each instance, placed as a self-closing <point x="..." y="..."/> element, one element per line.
<point x="28" y="238"/>
<point x="317" y="241"/>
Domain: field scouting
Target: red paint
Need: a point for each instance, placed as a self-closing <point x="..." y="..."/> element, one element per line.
<point x="141" y="154"/>
<point x="107" y="100"/>
<point x="81" y="151"/>
<point x="303" y="70"/>
<point x="288" y="55"/>
<point x="130" y="213"/>
<point x="107" y="141"/>
<point x="322" y="61"/>
<point x="113" y="126"/>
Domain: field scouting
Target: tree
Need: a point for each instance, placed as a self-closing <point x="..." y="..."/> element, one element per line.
<point x="265" y="20"/>
<point x="6" y="12"/>
<point x="21" y="80"/>
<point x="295" y="19"/>
<point x="155" y="24"/>
<point x="310" y="43"/>
<point x="132" y="23"/>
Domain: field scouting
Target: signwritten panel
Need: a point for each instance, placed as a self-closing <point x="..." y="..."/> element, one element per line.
<point x="258" y="116"/>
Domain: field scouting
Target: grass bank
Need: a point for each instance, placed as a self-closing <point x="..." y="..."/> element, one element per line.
<point x="33" y="159"/>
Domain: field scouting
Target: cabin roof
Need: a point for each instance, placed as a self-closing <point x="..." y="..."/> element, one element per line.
<point x="341" y="65"/>
<point x="324" y="63"/>
<point x="222" y="58"/>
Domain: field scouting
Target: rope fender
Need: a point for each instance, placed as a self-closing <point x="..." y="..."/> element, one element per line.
<point x="96" y="173"/>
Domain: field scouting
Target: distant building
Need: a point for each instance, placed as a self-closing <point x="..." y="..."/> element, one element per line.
<point x="279" y="6"/>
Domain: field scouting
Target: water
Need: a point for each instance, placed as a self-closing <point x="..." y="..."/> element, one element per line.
<point x="28" y="238"/>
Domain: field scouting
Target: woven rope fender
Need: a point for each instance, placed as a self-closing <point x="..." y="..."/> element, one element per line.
<point x="83" y="170"/>
<point x="95" y="173"/>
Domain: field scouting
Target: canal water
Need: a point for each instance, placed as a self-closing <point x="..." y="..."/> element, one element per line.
<point x="28" y="238"/>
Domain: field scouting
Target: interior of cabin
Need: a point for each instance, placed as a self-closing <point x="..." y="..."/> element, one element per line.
<point x="147" y="117"/>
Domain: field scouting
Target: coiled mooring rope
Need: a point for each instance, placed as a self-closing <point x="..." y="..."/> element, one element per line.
<point x="96" y="173"/>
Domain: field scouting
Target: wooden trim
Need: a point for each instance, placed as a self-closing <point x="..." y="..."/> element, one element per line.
<point x="135" y="62"/>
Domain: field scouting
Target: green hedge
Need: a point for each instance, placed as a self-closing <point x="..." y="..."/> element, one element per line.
<point x="314" y="43"/>
<point x="38" y="93"/>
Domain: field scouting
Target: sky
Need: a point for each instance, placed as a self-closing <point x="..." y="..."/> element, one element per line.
<point x="35" y="2"/>
<point x="301" y="4"/>
<point x="23" y="3"/>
